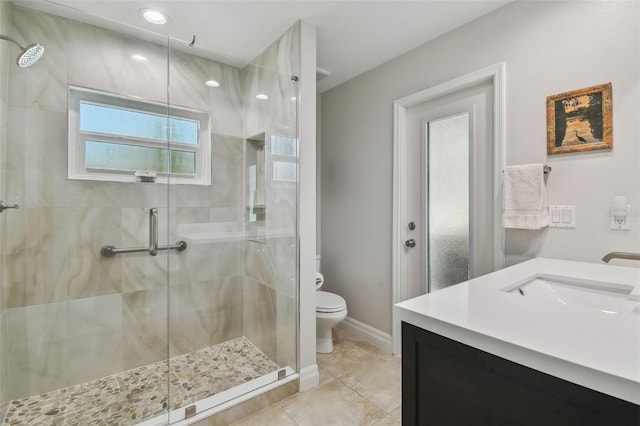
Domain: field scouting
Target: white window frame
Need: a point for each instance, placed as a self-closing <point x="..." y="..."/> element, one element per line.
<point x="77" y="169"/>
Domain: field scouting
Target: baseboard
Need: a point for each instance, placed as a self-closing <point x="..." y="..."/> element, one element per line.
<point x="377" y="338"/>
<point x="309" y="377"/>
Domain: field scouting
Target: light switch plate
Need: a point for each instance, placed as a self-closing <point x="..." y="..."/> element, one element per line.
<point x="562" y="216"/>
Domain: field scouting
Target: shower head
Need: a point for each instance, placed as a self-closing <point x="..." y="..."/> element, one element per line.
<point x="29" y="55"/>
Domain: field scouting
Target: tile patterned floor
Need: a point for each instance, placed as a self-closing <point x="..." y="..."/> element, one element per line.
<point x="359" y="385"/>
<point x="132" y="396"/>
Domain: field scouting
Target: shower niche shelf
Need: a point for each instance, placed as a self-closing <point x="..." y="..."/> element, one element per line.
<point x="255" y="160"/>
<point x="271" y="161"/>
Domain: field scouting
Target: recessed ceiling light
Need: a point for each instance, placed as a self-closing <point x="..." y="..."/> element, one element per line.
<point x="262" y="97"/>
<point x="154" y="16"/>
<point x="139" y="58"/>
<point x="212" y="83"/>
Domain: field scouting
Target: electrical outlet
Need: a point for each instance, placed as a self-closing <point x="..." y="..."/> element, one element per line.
<point x="620" y="221"/>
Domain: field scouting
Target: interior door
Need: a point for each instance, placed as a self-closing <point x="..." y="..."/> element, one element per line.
<point x="450" y="187"/>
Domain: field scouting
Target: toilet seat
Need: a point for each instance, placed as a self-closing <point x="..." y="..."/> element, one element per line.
<point x="328" y="302"/>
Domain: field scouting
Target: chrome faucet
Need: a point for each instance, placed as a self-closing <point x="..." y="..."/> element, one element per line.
<point x="620" y="255"/>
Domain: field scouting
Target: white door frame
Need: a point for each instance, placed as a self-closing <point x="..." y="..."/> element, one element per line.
<point x="494" y="74"/>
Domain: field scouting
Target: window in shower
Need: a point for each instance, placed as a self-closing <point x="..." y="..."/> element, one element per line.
<point x="112" y="136"/>
<point x="285" y="158"/>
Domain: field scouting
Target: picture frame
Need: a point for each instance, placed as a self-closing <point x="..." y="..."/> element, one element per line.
<point x="580" y="120"/>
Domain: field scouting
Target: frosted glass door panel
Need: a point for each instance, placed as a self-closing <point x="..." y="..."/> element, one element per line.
<point x="448" y="201"/>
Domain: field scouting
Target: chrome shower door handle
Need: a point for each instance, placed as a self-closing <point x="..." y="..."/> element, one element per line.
<point x="153" y="248"/>
<point x="410" y="243"/>
<point x="153" y="231"/>
<point x="4" y="206"/>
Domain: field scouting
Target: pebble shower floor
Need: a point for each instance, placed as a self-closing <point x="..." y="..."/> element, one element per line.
<point x="139" y="394"/>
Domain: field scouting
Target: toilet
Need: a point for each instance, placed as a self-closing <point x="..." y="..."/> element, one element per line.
<point x="330" y="310"/>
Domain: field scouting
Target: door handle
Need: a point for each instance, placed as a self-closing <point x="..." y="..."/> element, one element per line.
<point x="410" y="243"/>
<point x="153" y="231"/>
<point x="152" y="248"/>
<point x="4" y="205"/>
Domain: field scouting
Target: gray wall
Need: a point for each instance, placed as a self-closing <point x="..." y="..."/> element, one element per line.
<point x="548" y="48"/>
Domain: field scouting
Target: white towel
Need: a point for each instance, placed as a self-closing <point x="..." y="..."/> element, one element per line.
<point x="525" y="197"/>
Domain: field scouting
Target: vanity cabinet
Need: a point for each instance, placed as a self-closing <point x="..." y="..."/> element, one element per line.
<point x="445" y="382"/>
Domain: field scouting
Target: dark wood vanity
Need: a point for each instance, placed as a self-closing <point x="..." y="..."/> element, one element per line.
<point x="445" y="382"/>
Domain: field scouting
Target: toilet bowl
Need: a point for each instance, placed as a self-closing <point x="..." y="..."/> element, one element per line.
<point x="330" y="310"/>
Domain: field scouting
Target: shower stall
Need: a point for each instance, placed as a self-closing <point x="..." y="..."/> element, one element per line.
<point x="149" y="267"/>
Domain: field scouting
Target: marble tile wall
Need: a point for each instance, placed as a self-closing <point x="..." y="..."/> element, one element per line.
<point x="270" y="296"/>
<point x="271" y="73"/>
<point x="73" y="315"/>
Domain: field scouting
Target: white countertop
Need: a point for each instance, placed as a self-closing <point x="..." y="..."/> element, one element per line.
<point x="595" y="347"/>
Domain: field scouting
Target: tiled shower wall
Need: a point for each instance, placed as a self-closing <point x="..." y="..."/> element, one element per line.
<point x="270" y="314"/>
<point x="74" y="315"/>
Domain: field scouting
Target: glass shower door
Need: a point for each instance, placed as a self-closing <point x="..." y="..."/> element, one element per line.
<point x="147" y="269"/>
<point x="233" y="292"/>
<point x="84" y="334"/>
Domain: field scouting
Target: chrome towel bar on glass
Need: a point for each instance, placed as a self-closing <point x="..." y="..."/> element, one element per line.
<point x="153" y="248"/>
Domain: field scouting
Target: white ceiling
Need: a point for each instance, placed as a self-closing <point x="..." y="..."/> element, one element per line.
<point x="353" y="36"/>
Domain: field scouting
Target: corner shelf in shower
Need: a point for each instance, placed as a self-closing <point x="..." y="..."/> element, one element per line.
<point x="223" y="232"/>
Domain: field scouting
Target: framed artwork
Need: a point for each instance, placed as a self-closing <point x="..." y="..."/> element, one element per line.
<point x="580" y="120"/>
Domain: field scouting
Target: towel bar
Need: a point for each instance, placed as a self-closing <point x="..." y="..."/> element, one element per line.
<point x="109" y="251"/>
<point x="546" y="169"/>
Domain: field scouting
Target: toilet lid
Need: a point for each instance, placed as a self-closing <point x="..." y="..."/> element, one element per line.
<point x="329" y="302"/>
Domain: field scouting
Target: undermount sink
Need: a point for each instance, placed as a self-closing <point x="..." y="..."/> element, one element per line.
<point x="608" y="298"/>
<point x="577" y="321"/>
